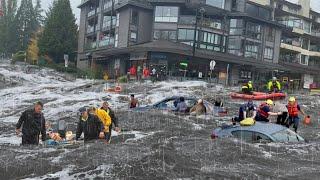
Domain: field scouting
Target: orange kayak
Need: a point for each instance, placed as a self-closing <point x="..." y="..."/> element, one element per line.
<point x="258" y="96"/>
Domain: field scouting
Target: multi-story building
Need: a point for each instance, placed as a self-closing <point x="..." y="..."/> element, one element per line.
<point x="300" y="41"/>
<point x="242" y="36"/>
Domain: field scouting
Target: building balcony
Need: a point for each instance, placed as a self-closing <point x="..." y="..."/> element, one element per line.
<point x="107" y="42"/>
<point x="107" y="25"/>
<point x="317" y="34"/>
<point x="187" y="20"/>
<point x="91" y="29"/>
<point x="91" y="45"/>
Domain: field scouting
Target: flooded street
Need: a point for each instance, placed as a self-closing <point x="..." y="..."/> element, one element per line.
<point x="152" y="145"/>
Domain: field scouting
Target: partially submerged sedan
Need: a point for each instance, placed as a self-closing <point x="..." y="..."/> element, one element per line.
<point x="258" y="133"/>
<point x="169" y="104"/>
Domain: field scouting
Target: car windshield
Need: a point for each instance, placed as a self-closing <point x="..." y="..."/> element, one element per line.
<point x="287" y="135"/>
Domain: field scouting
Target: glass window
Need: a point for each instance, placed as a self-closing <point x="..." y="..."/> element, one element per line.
<point x="186" y="34"/>
<point x="304" y="60"/>
<point x="287" y="136"/>
<point x="268" y="53"/>
<point x="253" y="30"/>
<point x="165" y="35"/>
<point x="258" y="138"/>
<point x="134" y="17"/>
<point x="156" y="35"/>
<point x="252" y="10"/>
<point x="270" y="34"/>
<point x="166" y="14"/>
<point x="216" y="3"/>
<point x="252" y="49"/>
<point x="305" y="43"/>
<point x="246" y="136"/>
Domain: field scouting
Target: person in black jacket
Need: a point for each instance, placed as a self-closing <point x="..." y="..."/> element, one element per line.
<point x="90" y="125"/>
<point x="114" y="120"/>
<point x="33" y="123"/>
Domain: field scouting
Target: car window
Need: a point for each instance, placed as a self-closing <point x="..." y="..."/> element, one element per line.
<point x="243" y="135"/>
<point x="287" y="135"/>
<point x="168" y="104"/>
<point x="258" y="137"/>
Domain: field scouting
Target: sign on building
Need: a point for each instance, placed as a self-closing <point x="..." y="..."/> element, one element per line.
<point x="117" y="64"/>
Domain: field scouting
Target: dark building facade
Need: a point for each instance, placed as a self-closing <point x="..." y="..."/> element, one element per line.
<point x="242" y="36"/>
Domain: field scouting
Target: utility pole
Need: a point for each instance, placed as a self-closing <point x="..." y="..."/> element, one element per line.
<point x="200" y="10"/>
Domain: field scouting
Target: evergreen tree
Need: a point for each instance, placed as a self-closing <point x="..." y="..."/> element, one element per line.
<point x="8" y="36"/>
<point x="60" y="32"/>
<point x="26" y="24"/>
<point x="38" y="14"/>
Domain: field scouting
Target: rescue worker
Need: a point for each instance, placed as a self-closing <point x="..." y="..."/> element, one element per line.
<point x="133" y="102"/>
<point x="199" y="108"/>
<point x="114" y="120"/>
<point x="247" y="88"/>
<point x="274" y="85"/>
<point x="90" y="125"/>
<point x="293" y="111"/>
<point x="247" y="110"/>
<point x="264" y="111"/>
<point x="181" y="106"/>
<point x="33" y="124"/>
<point x="62" y="128"/>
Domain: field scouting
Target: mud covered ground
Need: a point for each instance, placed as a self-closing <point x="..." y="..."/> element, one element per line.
<point x="152" y="145"/>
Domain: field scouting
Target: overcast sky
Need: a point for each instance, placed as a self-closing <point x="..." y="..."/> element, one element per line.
<point x="315" y="5"/>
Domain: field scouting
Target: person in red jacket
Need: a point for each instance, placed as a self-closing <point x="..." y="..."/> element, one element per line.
<point x="264" y="111"/>
<point x="293" y="111"/>
<point x="146" y="72"/>
<point x="133" y="71"/>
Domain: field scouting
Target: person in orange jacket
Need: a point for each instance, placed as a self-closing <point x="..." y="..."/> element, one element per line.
<point x="293" y="111"/>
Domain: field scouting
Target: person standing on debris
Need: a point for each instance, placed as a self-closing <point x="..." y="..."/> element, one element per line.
<point x="293" y="111"/>
<point x="281" y="119"/>
<point x="114" y="120"/>
<point x="248" y="110"/>
<point x="199" y="108"/>
<point x="274" y="85"/>
<point x="33" y="124"/>
<point x="133" y="102"/>
<point x="181" y="106"/>
<point x="90" y="125"/>
<point x="264" y="111"/>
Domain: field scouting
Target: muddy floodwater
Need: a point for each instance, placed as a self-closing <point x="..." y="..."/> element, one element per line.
<point x="152" y="145"/>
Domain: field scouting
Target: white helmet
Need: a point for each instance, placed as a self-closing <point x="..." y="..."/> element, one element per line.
<point x="274" y="78"/>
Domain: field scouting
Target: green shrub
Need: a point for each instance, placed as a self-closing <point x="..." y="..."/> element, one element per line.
<point x="123" y="79"/>
<point x="19" y="56"/>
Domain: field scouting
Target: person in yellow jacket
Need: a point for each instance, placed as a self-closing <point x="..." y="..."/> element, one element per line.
<point x="104" y="118"/>
<point x="247" y="88"/>
<point x="274" y="85"/>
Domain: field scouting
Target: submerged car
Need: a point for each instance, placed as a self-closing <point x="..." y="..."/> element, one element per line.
<point x="171" y="102"/>
<point x="258" y="133"/>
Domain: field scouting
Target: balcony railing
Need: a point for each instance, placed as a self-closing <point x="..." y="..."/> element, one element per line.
<point x="106" y="41"/>
<point x="314" y="48"/>
<point x="187" y="20"/>
<point x="90" y="29"/>
<point x="315" y="34"/>
<point x="91" y="45"/>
